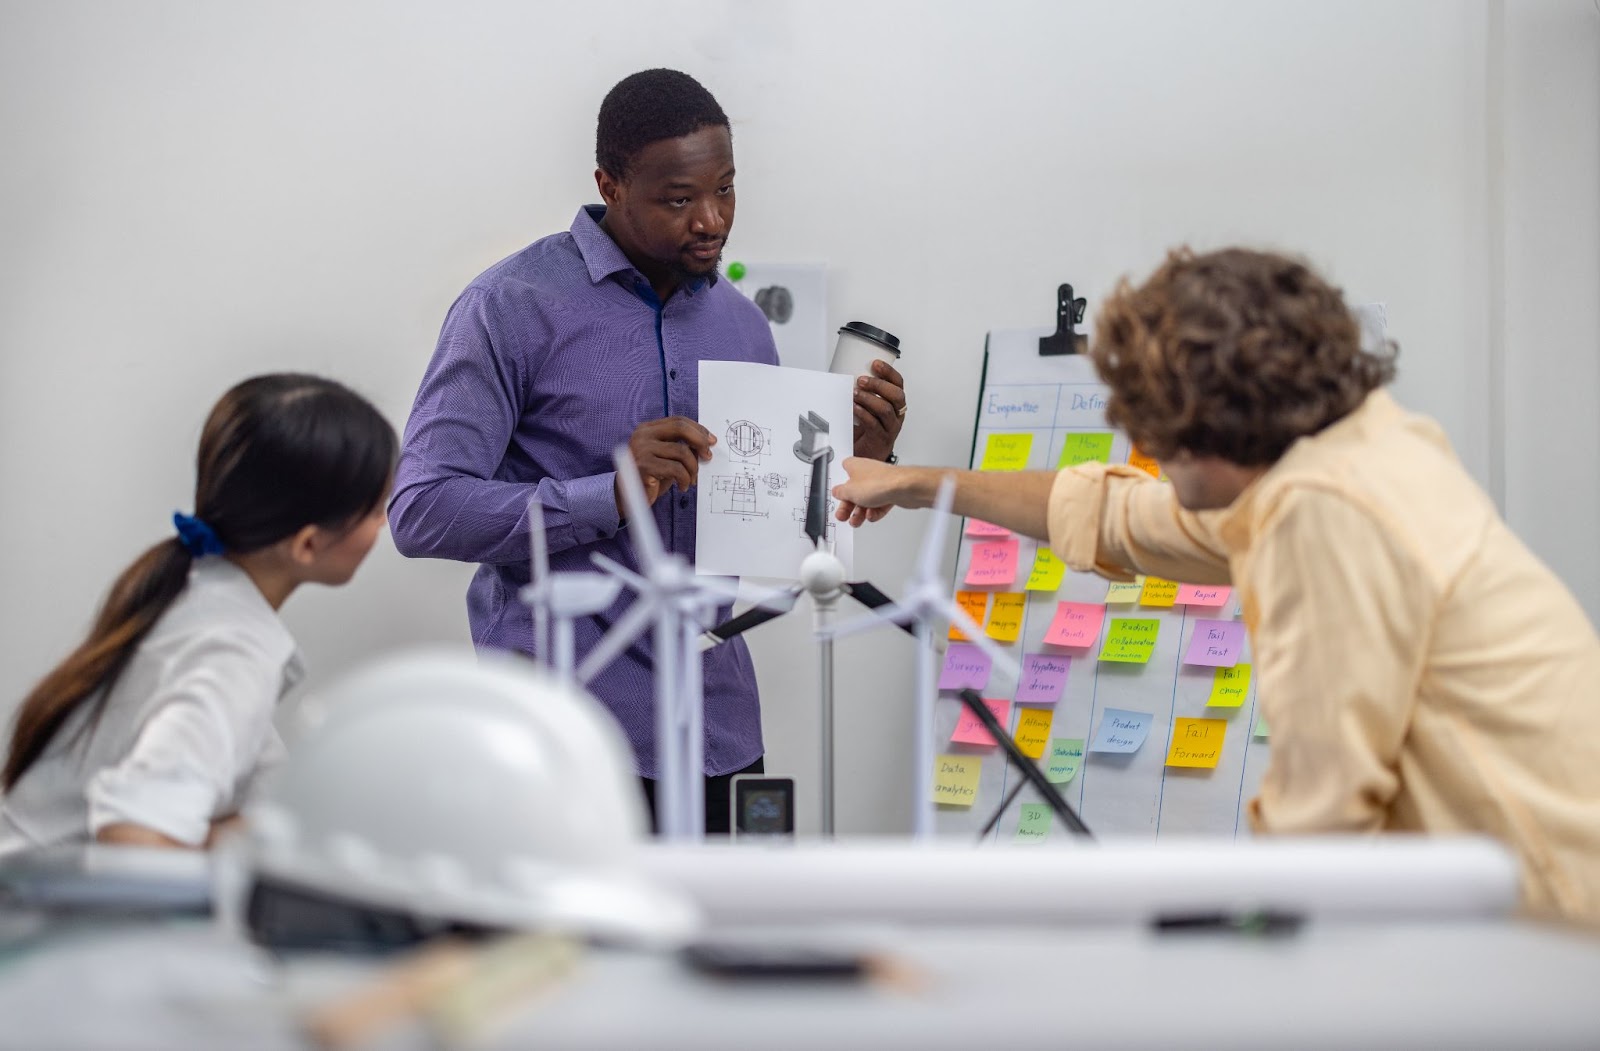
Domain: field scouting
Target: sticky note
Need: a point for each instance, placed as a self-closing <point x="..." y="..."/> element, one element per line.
<point x="1006" y="452"/>
<point x="1047" y="571"/>
<point x="970" y="731"/>
<point x="965" y="667"/>
<point x="1005" y="619"/>
<point x="955" y="779"/>
<point x="1158" y="592"/>
<point x="1196" y="742"/>
<point x="1203" y="594"/>
<point x="1066" y="755"/>
<point x="1130" y="640"/>
<point x="1121" y="731"/>
<point x="978" y="527"/>
<point x="1143" y="462"/>
<point x="1120" y="591"/>
<point x="1229" y="686"/>
<point x="1044" y="675"/>
<point x="1261" y="726"/>
<point x="1033" y="730"/>
<point x="994" y="563"/>
<point x="1086" y="448"/>
<point x="1215" y="643"/>
<point x="976" y="603"/>
<point x="1075" y="624"/>
<point x="1034" y="824"/>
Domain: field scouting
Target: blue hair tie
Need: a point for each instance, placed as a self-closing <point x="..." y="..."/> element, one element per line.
<point x="199" y="538"/>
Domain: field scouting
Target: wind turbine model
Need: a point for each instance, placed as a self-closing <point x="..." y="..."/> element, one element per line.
<point x="559" y="598"/>
<point x="927" y="605"/>
<point x="678" y="603"/>
<point x="822" y="577"/>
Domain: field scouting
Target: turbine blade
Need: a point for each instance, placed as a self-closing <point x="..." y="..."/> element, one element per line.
<point x="619" y="638"/>
<point x="641" y="523"/>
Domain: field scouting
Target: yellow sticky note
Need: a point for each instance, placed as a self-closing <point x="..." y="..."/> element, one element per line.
<point x="1047" y="571"/>
<point x="1124" y="590"/>
<point x="1158" y="592"/>
<point x="1229" y="686"/>
<point x="955" y="779"/>
<point x="1005" y="619"/>
<point x="976" y="603"/>
<point x="1033" y="730"/>
<point x="1086" y="448"/>
<point x="1143" y="462"/>
<point x="1033" y="825"/>
<point x="1006" y="452"/>
<point x="1196" y="742"/>
<point x="1130" y="640"/>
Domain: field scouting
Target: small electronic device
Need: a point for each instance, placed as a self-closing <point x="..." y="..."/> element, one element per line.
<point x="757" y="960"/>
<point x="763" y="806"/>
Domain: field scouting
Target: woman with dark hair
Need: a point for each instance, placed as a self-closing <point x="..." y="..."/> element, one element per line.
<point x="1421" y="670"/>
<point x="152" y="731"/>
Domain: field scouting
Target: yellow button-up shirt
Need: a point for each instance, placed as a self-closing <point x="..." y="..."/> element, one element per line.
<point x="1421" y="670"/>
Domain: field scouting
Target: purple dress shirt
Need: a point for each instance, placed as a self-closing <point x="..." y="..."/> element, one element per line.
<point x="545" y="364"/>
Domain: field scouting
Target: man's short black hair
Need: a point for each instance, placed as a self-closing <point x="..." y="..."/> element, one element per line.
<point x="648" y="107"/>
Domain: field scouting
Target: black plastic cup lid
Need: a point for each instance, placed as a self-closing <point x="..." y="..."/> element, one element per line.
<point x="884" y="339"/>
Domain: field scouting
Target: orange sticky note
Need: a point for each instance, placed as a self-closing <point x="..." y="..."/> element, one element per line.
<point x="993" y="564"/>
<point x="970" y="731"/>
<point x="1196" y="742"/>
<point x="1203" y="594"/>
<point x="1158" y="592"/>
<point x="1143" y="462"/>
<point x="1033" y="730"/>
<point x="1005" y="619"/>
<point x="976" y="603"/>
<point x="978" y="527"/>
<point x="1075" y="624"/>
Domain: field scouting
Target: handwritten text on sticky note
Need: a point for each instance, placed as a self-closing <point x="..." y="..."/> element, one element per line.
<point x="994" y="563"/>
<point x="1033" y="730"/>
<point x="969" y="730"/>
<point x="1158" y="592"/>
<point x="1085" y="448"/>
<point x="1006" y="452"/>
<point x="978" y="527"/>
<point x="1196" y="742"/>
<point x="1130" y="640"/>
<point x="1207" y="595"/>
<point x="1123" y="591"/>
<point x="976" y="604"/>
<point x="1047" y="571"/>
<point x="1230" y="686"/>
<point x="1121" y="731"/>
<point x="1075" y="624"/>
<point x="1005" y="619"/>
<point x="955" y="779"/>
<point x="1066" y="755"/>
<point x="1215" y="643"/>
<point x="1145" y="463"/>
<point x="1044" y="675"/>
<point x="1034" y="824"/>
<point x="965" y="667"/>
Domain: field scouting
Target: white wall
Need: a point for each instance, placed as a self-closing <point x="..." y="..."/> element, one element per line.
<point x="195" y="192"/>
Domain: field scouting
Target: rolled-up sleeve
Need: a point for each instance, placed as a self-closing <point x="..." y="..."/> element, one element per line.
<point x="1116" y="520"/>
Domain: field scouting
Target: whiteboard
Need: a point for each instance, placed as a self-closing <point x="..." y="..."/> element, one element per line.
<point x="1127" y="795"/>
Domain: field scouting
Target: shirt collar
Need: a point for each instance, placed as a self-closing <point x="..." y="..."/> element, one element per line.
<point x="221" y="577"/>
<point x="603" y="258"/>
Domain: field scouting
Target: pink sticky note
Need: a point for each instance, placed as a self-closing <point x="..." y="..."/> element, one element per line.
<point x="1043" y="677"/>
<point x="994" y="562"/>
<point x="965" y="667"/>
<point x="970" y="731"/>
<point x="1203" y="594"/>
<point x="978" y="527"/>
<point x="1075" y="624"/>
<point x="1215" y="643"/>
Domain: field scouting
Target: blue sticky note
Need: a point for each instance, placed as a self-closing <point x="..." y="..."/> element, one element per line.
<point x="1121" y="731"/>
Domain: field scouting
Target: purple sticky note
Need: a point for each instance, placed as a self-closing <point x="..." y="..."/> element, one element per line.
<point x="965" y="667"/>
<point x="1215" y="643"/>
<point x="1043" y="677"/>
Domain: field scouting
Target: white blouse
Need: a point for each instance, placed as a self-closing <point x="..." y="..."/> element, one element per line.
<point x="185" y="733"/>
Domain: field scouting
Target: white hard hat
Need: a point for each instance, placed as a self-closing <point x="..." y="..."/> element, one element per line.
<point x="474" y="790"/>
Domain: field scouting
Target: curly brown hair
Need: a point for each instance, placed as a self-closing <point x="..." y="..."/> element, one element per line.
<point x="1233" y="354"/>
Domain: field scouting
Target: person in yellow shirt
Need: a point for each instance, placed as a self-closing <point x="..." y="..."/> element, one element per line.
<point x="1421" y="670"/>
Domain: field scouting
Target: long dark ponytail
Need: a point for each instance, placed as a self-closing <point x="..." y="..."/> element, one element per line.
<point x="278" y="453"/>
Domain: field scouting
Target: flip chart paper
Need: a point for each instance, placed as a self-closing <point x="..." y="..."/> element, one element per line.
<point x="1006" y="452"/>
<point x="1033" y="731"/>
<point x="1044" y="675"/>
<point x="1208" y="595"/>
<point x="970" y="731"/>
<point x="1047" y="571"/>
<point x="976" y="603"/>
<point x="1121" y="731"/>
<point x="1230" y="686"/>
<point x="1196" y="742"/>
<point x="955" y="779"/>
<point x="1158" y="592"/>
<point x="1130" y="640"/>
<point x="1075" y="624"/>
<point x="1215" y="643"/>
<point x="1066" y="755"/>
<point x="994" y="563"/>
<point x="1085" y="448"/>
<point x="1005" y="619"/>
<point x="965" y="667"/>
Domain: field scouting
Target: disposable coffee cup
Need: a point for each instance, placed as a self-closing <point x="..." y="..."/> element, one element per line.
<point x="859" y="344"/>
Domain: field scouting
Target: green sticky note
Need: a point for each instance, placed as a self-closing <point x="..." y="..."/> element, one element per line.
<point x="1130" y="640"/>
<point x="1034" y="826"/>
<point x="1085" y="448"/>
<point x="1229" y="686"/>
<point x="1006" y="452"/>
<point x="1066" y="754"/>
<point x="1261" y="726"/>
<point x="1047" y="572"/>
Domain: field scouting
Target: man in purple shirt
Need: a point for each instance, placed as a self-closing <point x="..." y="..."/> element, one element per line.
<point x="579" y="343"/>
